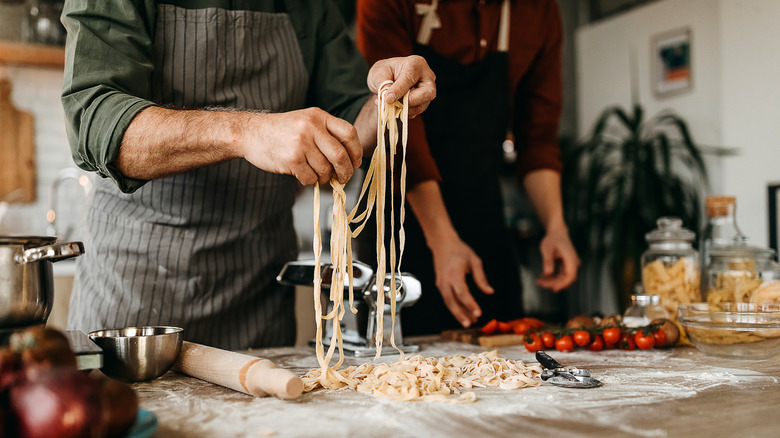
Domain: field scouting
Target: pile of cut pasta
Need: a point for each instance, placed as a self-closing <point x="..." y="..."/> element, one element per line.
<point x="428" y="378"/>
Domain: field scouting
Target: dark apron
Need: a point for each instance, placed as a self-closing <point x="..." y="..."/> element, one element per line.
<point x="201" y="249"/>
<point x="465" y="126"/>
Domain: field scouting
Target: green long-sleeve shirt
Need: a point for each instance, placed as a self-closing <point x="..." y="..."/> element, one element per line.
<point x="109" y="65"/>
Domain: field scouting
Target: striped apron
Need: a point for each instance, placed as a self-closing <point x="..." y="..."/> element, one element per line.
<point x="201" y="249"/>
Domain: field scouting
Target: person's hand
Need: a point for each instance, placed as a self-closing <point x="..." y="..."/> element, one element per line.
<point x="410" y="73"/>
<point x="556" y="247"/>
<point x="452" y="262"/>
<point x="309" y="144"/>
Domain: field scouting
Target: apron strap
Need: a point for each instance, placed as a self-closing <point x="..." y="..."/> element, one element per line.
<point x="430" y="21"/>
<point x="503" y="27"/>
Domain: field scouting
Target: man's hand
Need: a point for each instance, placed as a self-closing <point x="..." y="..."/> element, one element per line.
<point x="309" y="144"/>
<point x="555" y="247"/>
<point x="452" y="262"/>
<point x="410" y="73"/>
<point x="544" y="189"/>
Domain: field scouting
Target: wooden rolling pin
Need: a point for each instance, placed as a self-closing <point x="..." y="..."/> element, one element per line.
<point x="240" y="372"/>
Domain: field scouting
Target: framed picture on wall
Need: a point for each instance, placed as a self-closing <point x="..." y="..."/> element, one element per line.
<point x="671" y="63"/>
<point x="773" y="196"/>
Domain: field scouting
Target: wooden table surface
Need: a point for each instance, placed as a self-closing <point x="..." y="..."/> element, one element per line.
<point x="676" y="392"/>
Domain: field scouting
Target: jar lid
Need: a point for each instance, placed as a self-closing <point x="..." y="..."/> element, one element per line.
<point x="740" y="249"/>
<point x="646" y="300"/>
<point x="670" y="228"/>
<point x="718" y="206"/>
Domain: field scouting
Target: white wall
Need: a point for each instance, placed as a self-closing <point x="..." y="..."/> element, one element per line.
<point x="604" y="53"/>
<point x="734" y="99"/>
<point x="750" y="108"/>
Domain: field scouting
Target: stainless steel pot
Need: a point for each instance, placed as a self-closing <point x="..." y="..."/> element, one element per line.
<point x="26" y="277"/>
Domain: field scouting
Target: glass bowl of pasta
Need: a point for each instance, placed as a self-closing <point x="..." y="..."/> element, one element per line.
<point x="733" y="330"/>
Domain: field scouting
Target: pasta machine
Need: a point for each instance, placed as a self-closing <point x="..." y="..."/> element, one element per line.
<point x="358" y="329"/>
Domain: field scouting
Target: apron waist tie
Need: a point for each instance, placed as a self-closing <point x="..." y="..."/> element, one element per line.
<point x="431" y="21"/>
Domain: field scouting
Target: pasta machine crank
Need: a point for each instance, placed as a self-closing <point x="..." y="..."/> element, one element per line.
<point x="358" y="329"/>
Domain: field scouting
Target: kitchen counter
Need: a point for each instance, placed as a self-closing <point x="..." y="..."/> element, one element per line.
<point x="655" y="393"/>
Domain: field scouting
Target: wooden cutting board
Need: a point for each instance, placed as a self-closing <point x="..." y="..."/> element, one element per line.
<point x="17" y="150"/>
<point x="467" y="336"/>
<point x="475" y="336"/>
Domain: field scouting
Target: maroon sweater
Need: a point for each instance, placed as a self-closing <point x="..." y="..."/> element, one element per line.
<point x="469" y="30"/>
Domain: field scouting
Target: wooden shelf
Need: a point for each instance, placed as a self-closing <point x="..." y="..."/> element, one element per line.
<point x="32" y="55"/>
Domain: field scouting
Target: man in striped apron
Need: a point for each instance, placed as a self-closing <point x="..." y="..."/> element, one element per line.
<point x="200" y="115"/>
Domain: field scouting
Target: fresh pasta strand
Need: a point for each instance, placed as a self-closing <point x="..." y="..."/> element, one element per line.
<point x="373" y="187"/>
<point x="414" y="378"/>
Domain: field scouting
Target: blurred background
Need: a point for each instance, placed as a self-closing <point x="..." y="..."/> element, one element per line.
<point x="710" y="63"/>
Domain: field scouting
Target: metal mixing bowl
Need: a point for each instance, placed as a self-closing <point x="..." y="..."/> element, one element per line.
<point x="136" y="354"/>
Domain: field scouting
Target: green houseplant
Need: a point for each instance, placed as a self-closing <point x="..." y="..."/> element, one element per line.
<point x="622" y="177"/>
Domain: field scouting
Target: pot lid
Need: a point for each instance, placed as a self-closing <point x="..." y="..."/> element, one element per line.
<point x="740" y="249"/>
<point x="28" y="241"/>
<point x="670" y="228"/>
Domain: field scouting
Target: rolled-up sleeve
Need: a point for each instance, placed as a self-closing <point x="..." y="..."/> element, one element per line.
<point x="385" y="30"/>
<point x="108" y="68"/>
<point x="338" y="70"/>
<point x="538" y="101"/>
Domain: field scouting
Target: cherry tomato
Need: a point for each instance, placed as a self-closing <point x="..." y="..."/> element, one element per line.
<point x="564" y="344"/>
<point x="671" y="331"/>
<point x="548" y="339"/>
<point x="504" y="327"/>
<point x="581" y="338"/>
<point x="611" y="335"/>
<point x="490" y="327"/>
<point x="520" y="328"/>
<point x="533" y="323"/>
<point x="627" y="342"/>
<point x="660" y="338"/>
<point x="513" y="323"/>
<point x="644" y="341"/>
<point x="597" y="344"/>
<point x="533" y="343"/>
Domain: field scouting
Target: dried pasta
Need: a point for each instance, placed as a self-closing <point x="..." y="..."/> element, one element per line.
<point x="674" y="283"/>
<point x="731" y="336"/>
<point x="769" y="291"/>
<point x="741" y="284"/>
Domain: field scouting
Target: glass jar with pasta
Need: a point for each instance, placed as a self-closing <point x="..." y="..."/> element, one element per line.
<point x="670" y="266"/>
<point x="740" y="273"/>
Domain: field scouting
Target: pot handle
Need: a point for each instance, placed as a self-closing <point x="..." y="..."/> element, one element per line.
<point x="54" y="252"/>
